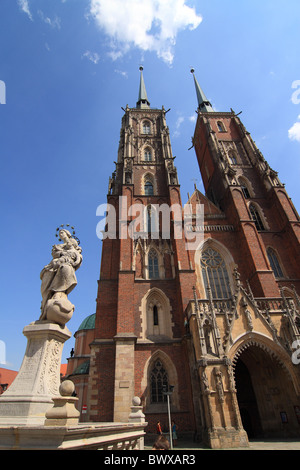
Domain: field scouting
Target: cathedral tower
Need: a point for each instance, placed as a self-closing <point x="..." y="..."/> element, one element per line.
<point x="143" y="287"/>
<point x="244" y="318"/>
<point x="240" y="182"/>
<point x="216" y="321"/>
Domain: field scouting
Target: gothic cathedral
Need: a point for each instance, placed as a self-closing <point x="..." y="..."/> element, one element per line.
<point x="215" y="324"/>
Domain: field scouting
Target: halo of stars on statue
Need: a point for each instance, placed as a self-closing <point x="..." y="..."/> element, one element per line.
<point x="69" y="227"/>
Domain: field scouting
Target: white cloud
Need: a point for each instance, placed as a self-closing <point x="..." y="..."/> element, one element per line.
<point x="178" y="123"/>
<point x="150" y="25"/>
<point x="54" y="23"/>
<point x="294" y="132"/>
<point x="193" y="118"/>
<point x="121" y="72"/>
<point x="92" y="56"/>
<point x="24" y="5"/>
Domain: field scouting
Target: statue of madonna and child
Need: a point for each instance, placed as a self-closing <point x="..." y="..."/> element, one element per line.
<point x="59" y="279"/>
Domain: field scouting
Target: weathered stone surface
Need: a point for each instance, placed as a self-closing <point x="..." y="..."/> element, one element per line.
<point x="30" y="395"/>
<point x="63" y="413"/>
<point x="101" y="436"/>
<point x="59" y="279"/>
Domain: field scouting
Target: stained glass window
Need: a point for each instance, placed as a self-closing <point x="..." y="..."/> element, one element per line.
<point x="274" y="263"/>
<point x="148" y="188"/>
<point x="153" y="264"/>
<point x="215" y="274"/>
<point x="158" y="380"/>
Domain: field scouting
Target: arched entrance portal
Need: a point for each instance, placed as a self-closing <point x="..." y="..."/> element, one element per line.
<point x="247" y="401"/>
<point x="266" y="395"/>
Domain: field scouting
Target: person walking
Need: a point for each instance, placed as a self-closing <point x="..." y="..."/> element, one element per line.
<point x="158" y="428"/>
<point x="174" y="433"/>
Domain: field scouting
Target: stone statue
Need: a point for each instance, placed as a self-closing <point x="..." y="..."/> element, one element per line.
<point x="58" y="279"/>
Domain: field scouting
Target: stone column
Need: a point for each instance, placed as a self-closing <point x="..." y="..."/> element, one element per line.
<point x="30" y="395"/>
<point x="124" y="375"/>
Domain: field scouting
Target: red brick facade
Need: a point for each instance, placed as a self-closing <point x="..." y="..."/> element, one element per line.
<point x="157" y="315"/>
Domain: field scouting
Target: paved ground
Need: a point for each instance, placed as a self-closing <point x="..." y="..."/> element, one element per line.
<point x="254" y="445"/>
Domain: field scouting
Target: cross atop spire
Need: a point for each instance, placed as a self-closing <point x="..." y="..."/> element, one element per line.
<point x="203" y="104"/>
<point x="142" y="100"/>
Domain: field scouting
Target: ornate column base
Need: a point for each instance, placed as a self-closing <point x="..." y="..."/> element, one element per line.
<point x="30" y="395"/>
<point x="230" y="438"/>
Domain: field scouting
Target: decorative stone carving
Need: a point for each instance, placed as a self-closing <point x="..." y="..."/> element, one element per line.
<point x="219" y="384"/>
<point x="172" y="172"/>
<point x="38" y="380"/>
<point x="58" y="279"/>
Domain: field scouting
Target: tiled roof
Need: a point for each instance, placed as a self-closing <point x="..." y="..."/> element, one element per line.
<point x="7" y="376"/>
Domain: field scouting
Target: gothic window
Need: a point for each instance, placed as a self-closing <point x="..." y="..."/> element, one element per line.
<point x="158" y="380"/>
<point x="147" y="155"/>
<point x="274" y="263"/>
<point x="153" y="264"/>
<point x="148" y="188"/>
<point x="245" y="191"/>
<point x="255" y="216"/>
<point x="215" y="275"/>
<point x="232" y="158"/>
<point x="146" y="127"/>
<point x="155" y="315"/>
<point x="221" y="127"/>
<point x="151" y="220"/>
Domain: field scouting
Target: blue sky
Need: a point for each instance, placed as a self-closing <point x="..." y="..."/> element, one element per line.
<point x="70" y="65"/>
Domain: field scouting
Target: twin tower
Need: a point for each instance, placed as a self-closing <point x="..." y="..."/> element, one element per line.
<point x="218" y="320"/>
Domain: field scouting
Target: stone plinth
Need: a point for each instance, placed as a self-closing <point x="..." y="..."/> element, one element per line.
<point x="30" y="395"/>
<point x="63" y="412"/>
<point x="137" y="416"/>
<point x="88" y="436"/>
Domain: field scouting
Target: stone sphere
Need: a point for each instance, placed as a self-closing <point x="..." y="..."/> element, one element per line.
<point x="66" y="388"/>
<point x="136" y="401"/>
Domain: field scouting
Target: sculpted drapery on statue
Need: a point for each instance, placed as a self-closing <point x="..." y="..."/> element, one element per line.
<point x="59" y="279"/>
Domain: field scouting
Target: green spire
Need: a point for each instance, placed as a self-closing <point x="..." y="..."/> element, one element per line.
<point x="142" y="100"/>
<point x="203" y="104"/>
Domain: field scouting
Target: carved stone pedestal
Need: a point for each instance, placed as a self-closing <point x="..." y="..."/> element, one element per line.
<point x="30" y="395"/>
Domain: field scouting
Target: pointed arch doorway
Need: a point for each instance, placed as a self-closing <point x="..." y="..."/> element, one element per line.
<point x="266" y="395"/>
<point x="247" y="401"/>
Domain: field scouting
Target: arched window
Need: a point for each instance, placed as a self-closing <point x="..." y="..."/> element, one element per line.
<point x="244" y="189"/>
<point x="148" y="188"/>
<point x="146" y="127"/>
<point x="215" y="274"/>
<point x="255" y="216"/>
<point x="151" y="221"/>
<point x="221" y="127"/>
<point x="274" y="263"/>
<point x="155" y="315"/>
<point x="153" y="264"/>
<point x="158" y="380"/>
<point x="232" y="158"/>
<point x="147" y="155"/>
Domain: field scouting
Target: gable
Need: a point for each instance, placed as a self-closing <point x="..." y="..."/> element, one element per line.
<point x="210" y="209"/>
<point x="247" y="320"/>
